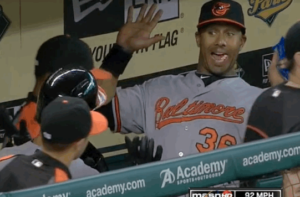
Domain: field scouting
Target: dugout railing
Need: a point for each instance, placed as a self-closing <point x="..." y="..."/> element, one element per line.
<point x="119" y="161"/>
<point x="174" y="177"/>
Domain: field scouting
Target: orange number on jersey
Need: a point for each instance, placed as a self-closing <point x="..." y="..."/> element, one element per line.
<point x="212" y="140"/>
<point x="227" y="138"/>
<point x="209" y="141"/>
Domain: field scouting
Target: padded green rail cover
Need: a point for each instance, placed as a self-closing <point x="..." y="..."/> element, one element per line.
<point x="174" y="177"/>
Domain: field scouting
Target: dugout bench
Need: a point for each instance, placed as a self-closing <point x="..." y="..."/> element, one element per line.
<point x="162" y="178"/>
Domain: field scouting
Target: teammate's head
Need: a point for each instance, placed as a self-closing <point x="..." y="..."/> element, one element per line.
<point x="61" y="51"/>
<point x="292" y="48"/>
<point x="220" y="36"/>
<point x="66" y="122"/>
<point x="74" y="82"/>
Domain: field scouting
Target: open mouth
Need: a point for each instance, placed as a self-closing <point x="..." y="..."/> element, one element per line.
<point x="219" y="57"/>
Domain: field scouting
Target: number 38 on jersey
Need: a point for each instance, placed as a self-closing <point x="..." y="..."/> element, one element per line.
<point x="214" y="141"/>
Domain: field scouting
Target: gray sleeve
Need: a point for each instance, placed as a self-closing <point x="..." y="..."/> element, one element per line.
<point x="78" y="169"/>
<point x="28" y="148"/>
<point x="129" y="109"/>
<point x="4" y="163"/>
<point x="9" y="151"/>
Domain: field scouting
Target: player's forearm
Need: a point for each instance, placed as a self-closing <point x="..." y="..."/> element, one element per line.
<point x="109" y="86"/>
<point x="273" y="74"/>
<point x="115" y="62"/>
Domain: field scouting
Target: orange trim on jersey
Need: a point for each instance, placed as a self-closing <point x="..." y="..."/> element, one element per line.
<point x="6" y="157"/>
<point x="100" y="74"/>
<point x="258" y="131"/>
<point x="60" y="175"/>
<point x="28" y="115"/>
<point x="117" y="113"/>
<point x="221" y="20"/>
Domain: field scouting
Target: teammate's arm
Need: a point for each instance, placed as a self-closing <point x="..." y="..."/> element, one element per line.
<point x="126" y="112"/>
<point x="274" y="76"/>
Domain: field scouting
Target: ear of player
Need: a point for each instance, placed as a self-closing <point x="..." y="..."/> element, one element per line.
<point x="141" y="151"/>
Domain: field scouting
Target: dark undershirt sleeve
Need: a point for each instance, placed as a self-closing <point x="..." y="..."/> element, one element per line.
<point x="252" y="136"/>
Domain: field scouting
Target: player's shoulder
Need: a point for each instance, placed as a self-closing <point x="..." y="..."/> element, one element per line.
<point x="241" y="86"/>
<point x="270" y="91"/>
<point x="170" y="78"/>
<point x="79" y="169"/>
<point x="27" y="149"/>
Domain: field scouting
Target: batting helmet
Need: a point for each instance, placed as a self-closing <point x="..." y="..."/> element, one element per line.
<point x="75" y="82"/>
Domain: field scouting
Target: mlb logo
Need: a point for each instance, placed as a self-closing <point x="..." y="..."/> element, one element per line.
<point x="266" y="62"/>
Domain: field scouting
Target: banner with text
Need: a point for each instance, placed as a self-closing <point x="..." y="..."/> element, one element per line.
<point x="175" y="177"/>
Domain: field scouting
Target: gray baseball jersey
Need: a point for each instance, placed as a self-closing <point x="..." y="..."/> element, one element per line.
<point x="78" y="169"/>
<point x="183" y="115"/>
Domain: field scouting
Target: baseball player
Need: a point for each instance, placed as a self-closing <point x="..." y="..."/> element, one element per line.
<point x="57" y="52"/>
<point x="66" y="123"/>
<point x="60" y="51"/>
<point x="74" y="82"/>
<point x="276" y="111"/>
<point x="64" y="50"/>
<point x="198" y="111"/>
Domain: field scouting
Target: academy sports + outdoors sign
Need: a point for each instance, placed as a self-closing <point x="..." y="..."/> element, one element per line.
<point x="149" y="179"/>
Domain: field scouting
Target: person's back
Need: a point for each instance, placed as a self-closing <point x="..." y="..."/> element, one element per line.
<point x="63" y="82"/>
<point x="31" y="171"/>
<point x="276" y="111"/>
<point x="78" y="168"/>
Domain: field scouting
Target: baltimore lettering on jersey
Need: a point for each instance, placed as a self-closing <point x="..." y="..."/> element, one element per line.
<point x="171" y="39"/>
<point x="194" y="173"/>
<point x="182" y="112"/>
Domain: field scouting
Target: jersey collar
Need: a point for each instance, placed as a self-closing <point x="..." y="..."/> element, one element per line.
<point x="209" y="79"/>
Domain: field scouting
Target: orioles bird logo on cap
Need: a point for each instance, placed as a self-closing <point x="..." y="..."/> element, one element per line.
<point x="220" y="9"/>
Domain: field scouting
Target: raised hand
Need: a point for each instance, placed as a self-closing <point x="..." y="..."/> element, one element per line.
<point x="274" y="75"/>
<point x="136" y="35"/>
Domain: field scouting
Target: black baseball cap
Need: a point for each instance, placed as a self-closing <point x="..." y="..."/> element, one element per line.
<point x="292" y="41"/>
<point x="68" y="119"/>
<point x="228" y="11"/>
<point x="62" y="51"/>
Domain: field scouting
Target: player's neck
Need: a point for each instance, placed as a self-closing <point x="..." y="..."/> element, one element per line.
<point x="65" y="157"/>
<point x="38" y="141"/>
<point x="202" y="70"/>
<point x="37" y="88"/>
<point x="38" y="84"/>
